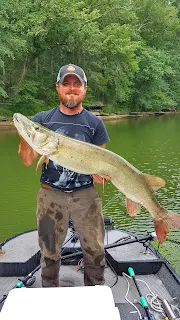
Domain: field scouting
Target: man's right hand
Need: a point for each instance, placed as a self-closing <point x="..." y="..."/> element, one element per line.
<point x="27" y="154"/>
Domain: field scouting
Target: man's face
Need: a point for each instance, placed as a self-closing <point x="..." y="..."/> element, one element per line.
<point x="71" y="92"/>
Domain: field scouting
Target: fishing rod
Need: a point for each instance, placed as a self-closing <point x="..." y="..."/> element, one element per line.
<point x="28" y="280"/>
<point x="142" y="299"/>
<point x="149" y="237"/>
<point x="22" y="282"/>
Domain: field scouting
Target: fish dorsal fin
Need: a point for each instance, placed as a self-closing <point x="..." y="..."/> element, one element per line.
<point x="154" y="182"/>
<point x="132" y="207"/>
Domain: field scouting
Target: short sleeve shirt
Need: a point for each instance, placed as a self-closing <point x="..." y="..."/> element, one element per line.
<point x="83" y="126"/>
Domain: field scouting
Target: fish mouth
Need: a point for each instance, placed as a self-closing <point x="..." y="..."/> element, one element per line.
<point x="26" y="129"/>
<point x="15" y="118"/>
<point x="37" y="136"/>
<point x="20" y="120"/>
<point x="22" y="124"/>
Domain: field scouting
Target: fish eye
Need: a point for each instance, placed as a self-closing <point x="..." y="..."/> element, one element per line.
<point x="36" y="128"/>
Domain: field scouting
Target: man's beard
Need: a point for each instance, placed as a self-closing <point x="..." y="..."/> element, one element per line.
<point x="71" y="103"/>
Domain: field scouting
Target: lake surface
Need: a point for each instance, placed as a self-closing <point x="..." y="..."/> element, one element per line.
<point x="151" y="144"/>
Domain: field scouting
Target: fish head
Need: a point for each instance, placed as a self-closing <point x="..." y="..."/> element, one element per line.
<point x="41" y="139"/>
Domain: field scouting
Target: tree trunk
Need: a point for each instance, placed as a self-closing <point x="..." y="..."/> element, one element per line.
<point x="102" y="97"/>
<point x="37" y="65"/>
<point x="52" y="64"/>
<point x="22" y="75"/>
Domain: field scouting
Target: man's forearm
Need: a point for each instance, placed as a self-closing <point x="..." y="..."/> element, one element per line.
<point x="27" y="154"/>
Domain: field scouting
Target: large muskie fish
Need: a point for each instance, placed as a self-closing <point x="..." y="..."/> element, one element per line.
<point x="86" y="158"/>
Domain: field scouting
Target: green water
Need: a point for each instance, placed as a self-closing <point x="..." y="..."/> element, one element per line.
<point x="150" y="144"/>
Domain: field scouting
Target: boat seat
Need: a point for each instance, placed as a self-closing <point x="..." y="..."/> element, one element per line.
<point x="94" y="302"/>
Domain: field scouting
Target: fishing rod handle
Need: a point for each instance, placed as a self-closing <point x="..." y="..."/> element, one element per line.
<point x="169" y="312"/>
<point x="3" y="298"/>
<point x="142" y="298"/>
<point x="131" y="272"/>
<point x="148" y="313"/>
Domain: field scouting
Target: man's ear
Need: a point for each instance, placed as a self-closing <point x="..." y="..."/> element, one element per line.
<point x="57" y="85"/>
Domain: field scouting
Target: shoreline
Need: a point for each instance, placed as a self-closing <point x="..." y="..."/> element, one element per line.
<point x="9" y="123"/>
<point x="138" y="115"/>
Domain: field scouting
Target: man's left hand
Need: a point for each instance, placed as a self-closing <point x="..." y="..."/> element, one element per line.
<point x="100" y="179"/>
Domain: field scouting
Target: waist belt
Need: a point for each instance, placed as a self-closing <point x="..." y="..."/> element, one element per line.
<point x="46" y="186"/>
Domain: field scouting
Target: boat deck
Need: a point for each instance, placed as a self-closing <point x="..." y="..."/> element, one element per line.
<point x="159" y="278"/>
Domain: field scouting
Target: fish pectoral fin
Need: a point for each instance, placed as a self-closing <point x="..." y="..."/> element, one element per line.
<point x="154" y="182"/>
<point x="132" y="207"/>
<point x="43" y="159"/>
<point x="2" y="252"/>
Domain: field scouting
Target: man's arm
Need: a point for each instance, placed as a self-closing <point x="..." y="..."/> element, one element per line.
<point x="27" y="154"/>
<point x="100" y="179"/>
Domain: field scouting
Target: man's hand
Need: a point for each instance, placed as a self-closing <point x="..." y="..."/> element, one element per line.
<point x="103" y="178"/>
<point x="100" y="179"/>
<point x="27" y="154"/>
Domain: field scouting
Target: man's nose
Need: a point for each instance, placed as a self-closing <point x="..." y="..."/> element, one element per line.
<point x="72" y="86"/>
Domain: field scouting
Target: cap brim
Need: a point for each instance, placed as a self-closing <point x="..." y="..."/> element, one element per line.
<point x="66" y="74"/>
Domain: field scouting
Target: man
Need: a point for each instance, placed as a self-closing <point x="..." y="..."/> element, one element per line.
<point x="64" y="194"/>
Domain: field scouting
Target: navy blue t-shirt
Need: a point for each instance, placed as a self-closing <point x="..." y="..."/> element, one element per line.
<point x="83" y="126"/>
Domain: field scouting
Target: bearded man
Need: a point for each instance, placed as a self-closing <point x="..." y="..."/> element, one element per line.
<point x="65" y="195"/>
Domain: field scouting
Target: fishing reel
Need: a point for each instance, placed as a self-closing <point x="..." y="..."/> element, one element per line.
<point x="28" y="281"/>
<point x="109" y="223"/>
<point x="146" y="243"/>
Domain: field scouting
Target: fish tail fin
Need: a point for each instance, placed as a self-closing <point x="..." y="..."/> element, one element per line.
<point x="167" y="220"/>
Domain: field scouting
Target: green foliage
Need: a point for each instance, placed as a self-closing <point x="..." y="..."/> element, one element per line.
<point x="151" y="89"/>
<point x="115" y="109"/>
<point x="129" y="50"/>
<point x="5" y="113"/>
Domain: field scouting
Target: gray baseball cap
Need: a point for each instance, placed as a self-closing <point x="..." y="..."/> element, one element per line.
<point x="71" y="69"/>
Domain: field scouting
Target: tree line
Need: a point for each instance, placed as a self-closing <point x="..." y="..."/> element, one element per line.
<point x="129" y="49"/>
